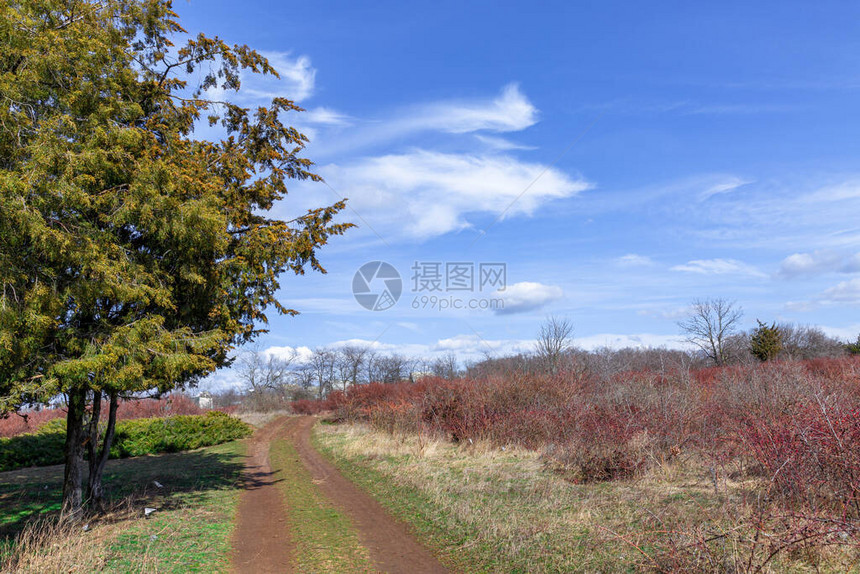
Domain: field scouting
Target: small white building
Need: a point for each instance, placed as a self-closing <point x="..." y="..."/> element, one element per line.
<point x="204" y="400"/>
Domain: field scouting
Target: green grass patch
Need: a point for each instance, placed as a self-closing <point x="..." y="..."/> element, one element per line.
<point x="326" y="540"/>
<point x="134" y="437"/>
<point x="189" y="532"/>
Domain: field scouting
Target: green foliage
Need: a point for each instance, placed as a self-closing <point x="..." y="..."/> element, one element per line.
<point x="854" y="348"/>
<point x="766" y="341"/>
<point x="134" y="437"/>
<point x="134" y="255"/>
<point x="37" y="449"/>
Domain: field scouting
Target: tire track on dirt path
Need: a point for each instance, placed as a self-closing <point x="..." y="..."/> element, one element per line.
<point x="261" y="540"/>
<point x="392" y="548"/>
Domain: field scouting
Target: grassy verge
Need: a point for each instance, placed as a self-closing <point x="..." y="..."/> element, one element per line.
<point x="489" y="510"/>
<point x="189" y="532"/>
<point x="325" y="538"/>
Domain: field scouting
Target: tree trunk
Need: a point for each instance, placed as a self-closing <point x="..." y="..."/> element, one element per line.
<point x="93" y="432"/>
<point x="98" y="458"/>
<point x="74" y="460"/>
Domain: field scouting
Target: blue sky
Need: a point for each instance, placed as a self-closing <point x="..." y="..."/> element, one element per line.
<point x="621" y="158"/>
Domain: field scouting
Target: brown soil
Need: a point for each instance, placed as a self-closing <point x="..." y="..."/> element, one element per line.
<point x="261" y="540"/>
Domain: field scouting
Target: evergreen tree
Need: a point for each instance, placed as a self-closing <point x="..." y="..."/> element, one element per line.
<point x="765" y="341"/>
<point x="133" y="255"/>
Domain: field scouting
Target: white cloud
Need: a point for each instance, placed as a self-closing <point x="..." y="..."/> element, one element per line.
<point x="671" y="313"/>
<point x="634" y="260"/>
<point x="818" y="262"/>
<point x="725" y="187"/>
<point x="298" y="355"/>
<point x="511" y="111"/>
<point x="718" y="267"/>
<point x="641" y="340"/>
<point x="325" y="116"/>
<point x="527" y="296"/>
<point x="844" y="292"/>
<point x="843" y="333"/>
<point x="846" y="190"/>
<point x="724" y="109"/>
<point x="424" y="194"/>
<point x="470" y="345"/>
<point x="297" y="81"/>
<point x="501" y="144"/>
<point x="801" y="306"/>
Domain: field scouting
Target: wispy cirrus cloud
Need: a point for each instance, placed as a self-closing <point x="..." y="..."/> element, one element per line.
<point x="726" y="186"/>
<point x="296" y="81"/>
<point x="719" y="267"/>
<point x="509" y="111"/>
<point x="326" y="116"/>
<point x="422" y="194"/>
<point x="501" y="144"/>
<point x="297" y="78"/>
<point x="634" y="260"/>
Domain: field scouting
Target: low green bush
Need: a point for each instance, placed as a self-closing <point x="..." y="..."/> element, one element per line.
<point x="134" y="437"/>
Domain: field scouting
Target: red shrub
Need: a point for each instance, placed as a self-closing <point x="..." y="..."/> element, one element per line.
<point x="308" y="407"/>
<point x="810" y="454"/>
<point x="27" y="422"/>
<point x="174" y="404"/>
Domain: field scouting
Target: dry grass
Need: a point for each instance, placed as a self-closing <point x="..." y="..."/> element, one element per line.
<point x="101" y="544"/>
<point x="57" y="545"/>
<point x="509" y="510"/>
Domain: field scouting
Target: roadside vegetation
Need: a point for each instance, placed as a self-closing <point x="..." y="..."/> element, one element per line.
<point x="738" y="468"/>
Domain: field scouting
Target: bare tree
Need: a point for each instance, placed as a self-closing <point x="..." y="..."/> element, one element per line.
<point x="445" y="366"/>
<point x="350" y="362"/>
<point x="305" y="376"/>
<point x="553" y="341"/>
<point x="322" y="365"/>
<point x="808" y="342"/>
<point x="370" y="367"/>
<point x="710" y="326"/>
<point x="391" y="368"/>
<point x="260" y="370"/>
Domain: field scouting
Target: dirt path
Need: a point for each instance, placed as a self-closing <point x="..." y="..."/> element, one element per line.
<point x="261" y="540"/>
<point x="392" y="548"/>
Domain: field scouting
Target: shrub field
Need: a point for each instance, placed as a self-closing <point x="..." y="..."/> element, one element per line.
<point x="787" y="430"/>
